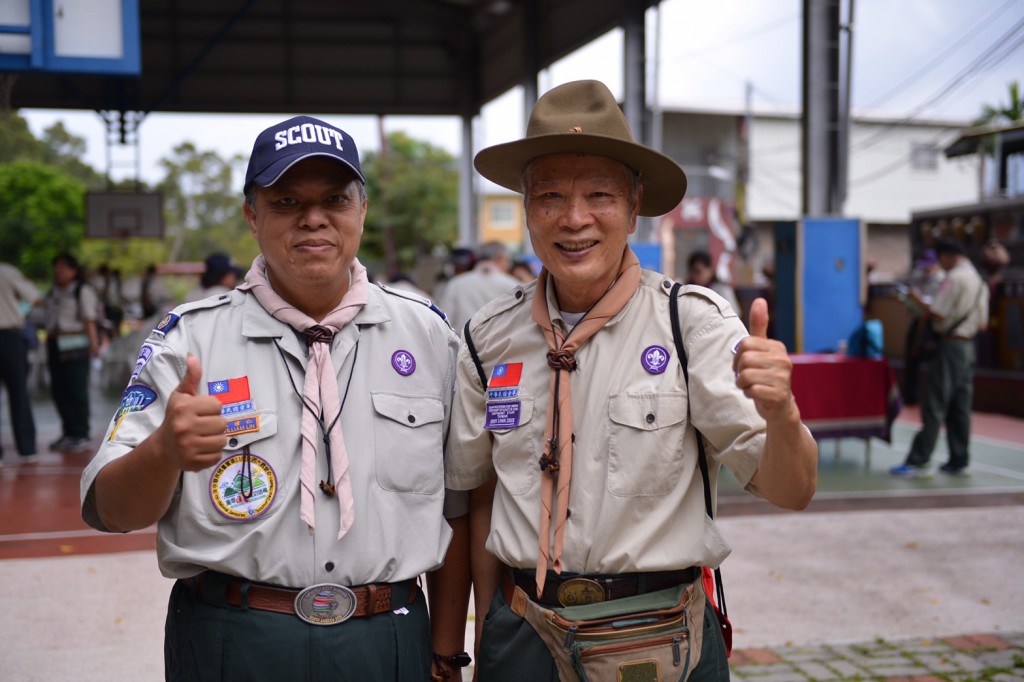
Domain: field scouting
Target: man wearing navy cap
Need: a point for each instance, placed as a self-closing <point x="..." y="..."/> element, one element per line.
<point x="286" y="437"/>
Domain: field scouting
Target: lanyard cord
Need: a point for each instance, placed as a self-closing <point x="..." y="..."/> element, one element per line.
<point x="326" y="485"/>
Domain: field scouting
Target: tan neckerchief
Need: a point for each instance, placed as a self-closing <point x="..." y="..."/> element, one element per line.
<point x="558" y="434"/>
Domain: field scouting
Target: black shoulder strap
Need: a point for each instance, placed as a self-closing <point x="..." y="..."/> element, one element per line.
<point x="702" y="458"/>
<point x="476" y="358"/>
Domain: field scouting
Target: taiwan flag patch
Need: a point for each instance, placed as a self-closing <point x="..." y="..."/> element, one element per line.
<point x="229" y="391"/>
<point x="506" y="375"/>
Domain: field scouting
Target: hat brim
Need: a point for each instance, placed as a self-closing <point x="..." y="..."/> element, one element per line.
<point x="274" y="171"/>
<point x="664" y="181"/>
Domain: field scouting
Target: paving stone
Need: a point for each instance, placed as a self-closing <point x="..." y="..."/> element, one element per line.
<point x="761" y="671"/>
<point x="816" y="671"/>
<point x="791" y="676"/>
<point x="894" y="659"/>
<point x="907" y="669"/>
<point x="848" y="669"/>
<point x="951" y="662"/>
<point x="1008" y="677"/>
<point x="1005" y="658"/>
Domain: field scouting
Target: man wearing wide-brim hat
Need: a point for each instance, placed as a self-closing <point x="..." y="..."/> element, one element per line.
<point x="576" y="426"/>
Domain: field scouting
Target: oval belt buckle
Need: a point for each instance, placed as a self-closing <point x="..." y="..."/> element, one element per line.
<point x="579" y="591"/>
<point x="325" y="604"/>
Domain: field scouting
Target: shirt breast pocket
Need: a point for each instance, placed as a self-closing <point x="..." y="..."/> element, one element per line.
<point x="516" y="450"/>
<point x="244" y="486"/>
<point x="409" y="442"/>
<point x="645" y="443"/>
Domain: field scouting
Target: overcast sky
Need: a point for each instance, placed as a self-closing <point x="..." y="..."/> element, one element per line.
<point x="933" y="59"/>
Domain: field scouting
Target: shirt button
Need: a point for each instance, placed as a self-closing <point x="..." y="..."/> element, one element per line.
<point x="519" y="294"/>
<point x="667" y="284"/>
<point x="650" y="419"/>
<point x="412" y="419"/>
<point x="329" y="566"/>
<point x="232" y="442"/>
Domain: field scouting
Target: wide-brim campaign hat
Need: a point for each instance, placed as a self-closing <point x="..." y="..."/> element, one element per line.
<point x="583" y="117"/>
<point x="284" y="144"/>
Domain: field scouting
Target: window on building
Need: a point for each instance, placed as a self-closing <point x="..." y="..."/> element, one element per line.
<point x="924" y="156"/>
<point x="503" y="214"/>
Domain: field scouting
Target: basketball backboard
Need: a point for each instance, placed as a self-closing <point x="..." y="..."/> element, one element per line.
<point x="121" y="215"/>
<point x="70" y="36"/>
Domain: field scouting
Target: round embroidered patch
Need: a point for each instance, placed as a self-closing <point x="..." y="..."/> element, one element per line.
<point x="243" y="487"/>
<point x="403" y="362"/>
<point x="654" y="359"/>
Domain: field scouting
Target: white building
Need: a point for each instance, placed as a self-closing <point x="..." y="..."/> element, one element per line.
<point x="896" y="167"/>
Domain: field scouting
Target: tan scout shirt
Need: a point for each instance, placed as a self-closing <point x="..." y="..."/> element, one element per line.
<point x="393" y="426"/>
<point x="67" y="311"/>
<point x="636" y="497"/>
<point x="962" y="295"/>
<point x="14" y="288"/>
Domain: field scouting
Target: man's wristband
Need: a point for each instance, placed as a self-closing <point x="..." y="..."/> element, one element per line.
<point x="459" y="660"/>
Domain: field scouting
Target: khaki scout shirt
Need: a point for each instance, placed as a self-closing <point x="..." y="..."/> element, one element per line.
<point x="636" y="497"/>
<point x="14" y="288"/>
<point x="962" y="295"/>
<point x="67" y="311"/>
<point x="393" y="426"/>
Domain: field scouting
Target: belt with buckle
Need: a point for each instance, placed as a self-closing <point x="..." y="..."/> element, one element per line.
<point x="321" y="604"/>
<point x="573" y="590"/>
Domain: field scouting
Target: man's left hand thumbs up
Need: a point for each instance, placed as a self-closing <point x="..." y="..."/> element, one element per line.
<point x="763" y="367"/>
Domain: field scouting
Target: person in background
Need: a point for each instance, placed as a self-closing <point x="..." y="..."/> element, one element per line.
<point x="574" y="425"/>
<point x="925" y="279"/>
<point x="72" y="309"/>
<point x="522" y="271"/>
<point x="17" y="294"/>
<point x="286" y="438"/>
<point x="458" y="261"/>
<point x="402" y="281"/>
<point x="958" y="312"/>
<point x="466" y="292"/>
<point x="701" y="272"/>
<point x="220" y="275"/>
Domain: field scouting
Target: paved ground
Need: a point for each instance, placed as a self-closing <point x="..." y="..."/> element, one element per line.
<point x="881" y="579"/>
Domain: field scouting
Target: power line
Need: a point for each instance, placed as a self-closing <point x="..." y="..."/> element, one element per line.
<point x="986" y="60"/>
<point x="967" y="35"/>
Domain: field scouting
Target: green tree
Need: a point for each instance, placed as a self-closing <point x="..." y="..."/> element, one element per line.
<point x="64" y="150"/>
<point x="412" y="189"/>
<point x="41" y="214"/>
<point x="16" y="140"/>
<point x="202" y="207"/>
<point x="1003" y="114"/>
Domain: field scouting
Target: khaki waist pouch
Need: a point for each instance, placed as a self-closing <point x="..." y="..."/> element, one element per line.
<point x="653" y="637"/>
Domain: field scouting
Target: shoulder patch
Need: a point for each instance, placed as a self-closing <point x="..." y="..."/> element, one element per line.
<point x="410" y="296"/>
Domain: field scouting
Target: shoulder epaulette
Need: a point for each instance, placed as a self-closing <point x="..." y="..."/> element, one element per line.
<point x="168" y="321"/>
<point x="410" y="296"/>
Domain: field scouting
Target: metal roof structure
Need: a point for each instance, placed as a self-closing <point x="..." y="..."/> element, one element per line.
<point x="445" y="57"/>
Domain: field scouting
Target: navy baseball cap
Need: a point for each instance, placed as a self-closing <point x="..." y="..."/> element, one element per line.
<point x="283" y="145"/>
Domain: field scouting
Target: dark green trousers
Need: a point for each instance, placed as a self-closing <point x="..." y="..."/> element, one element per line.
<point x="511" y="651"/>
<point x="209" y="641"/>
<point x="69" y="385"/>
<point x="948" y="392"/>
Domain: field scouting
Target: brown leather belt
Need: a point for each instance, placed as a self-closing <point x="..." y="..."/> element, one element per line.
<point x="567" y="589"/>
<point x="370" y="599"/>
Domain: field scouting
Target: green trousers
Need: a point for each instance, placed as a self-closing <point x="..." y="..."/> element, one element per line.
<point x="948" y="392"/>
<point x="206" y="641"/>
<point x="511" y="651"/>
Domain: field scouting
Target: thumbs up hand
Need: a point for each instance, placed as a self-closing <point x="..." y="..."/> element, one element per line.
<point x="192" y="434"/>
<point x="763" y="368"/>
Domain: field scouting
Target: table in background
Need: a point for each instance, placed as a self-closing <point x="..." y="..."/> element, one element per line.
<point x="846" y="397"/>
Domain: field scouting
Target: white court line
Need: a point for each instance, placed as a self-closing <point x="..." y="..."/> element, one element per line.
<point x="57" y="534"/>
